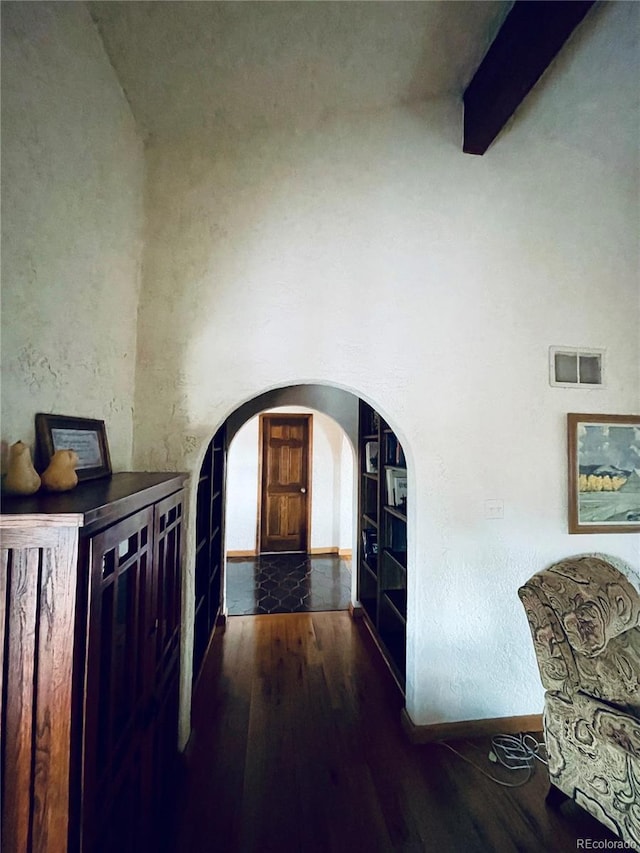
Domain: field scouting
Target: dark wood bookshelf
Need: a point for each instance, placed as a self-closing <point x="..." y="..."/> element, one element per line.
<point x="371" y="568"/>
<point x="398" y="600"/>
<point x="397" y="513"/>
<point x="210" y="547"/>
<point x="382" y="587"/>
<point x="397" y="557"/>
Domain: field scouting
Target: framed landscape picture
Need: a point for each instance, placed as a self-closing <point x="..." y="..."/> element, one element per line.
<point x="604" y="473"/>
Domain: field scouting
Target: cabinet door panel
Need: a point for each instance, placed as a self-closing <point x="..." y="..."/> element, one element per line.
<point x="167" y="580"/>
<point x="124" y="823"/>
<point x="119" y="657"/>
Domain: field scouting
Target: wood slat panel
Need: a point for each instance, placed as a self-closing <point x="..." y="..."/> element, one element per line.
<point x="53" y="686"/>
<point x="38" y="594"/>
<point x="5" y="569"/>
<point x="20" y="670"/>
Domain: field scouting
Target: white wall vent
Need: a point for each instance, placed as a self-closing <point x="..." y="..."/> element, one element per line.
<point x="570" y="367"/>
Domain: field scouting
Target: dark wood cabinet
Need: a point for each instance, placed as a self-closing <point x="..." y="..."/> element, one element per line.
<point x="38" y="579"/>
<point x="124" y="638"/>
<point x="209" y="567"/>
<point x="382" y="550"/>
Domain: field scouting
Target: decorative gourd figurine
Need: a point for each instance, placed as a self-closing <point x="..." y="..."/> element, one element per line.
<point x="22" y="478"/>
<point x="61" y="475"/>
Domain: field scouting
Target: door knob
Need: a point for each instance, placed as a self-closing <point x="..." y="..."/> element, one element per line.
<point x="303" y="490"/>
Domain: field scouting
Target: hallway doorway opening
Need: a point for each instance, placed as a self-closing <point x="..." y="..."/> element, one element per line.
<point x="339" y="490"/>
<point x="289" y="514"/>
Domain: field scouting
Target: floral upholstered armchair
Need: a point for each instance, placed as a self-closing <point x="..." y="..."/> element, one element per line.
<point x="584" y="617"/>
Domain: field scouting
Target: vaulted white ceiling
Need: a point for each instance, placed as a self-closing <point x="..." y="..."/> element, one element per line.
<point x="191" y="66"/>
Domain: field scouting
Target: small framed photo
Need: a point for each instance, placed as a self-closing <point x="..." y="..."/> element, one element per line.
<point x="371" y="457"/>
<point x="87" y="436"/>
<point x="604" y="473"/>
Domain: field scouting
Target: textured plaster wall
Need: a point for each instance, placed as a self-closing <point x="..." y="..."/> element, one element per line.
<point x="72" y="203"/>
<point x="331" y="485"/>
<point x="372" y="255"/>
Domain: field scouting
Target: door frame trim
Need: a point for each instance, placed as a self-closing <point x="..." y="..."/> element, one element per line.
<point x="261" y="468"/>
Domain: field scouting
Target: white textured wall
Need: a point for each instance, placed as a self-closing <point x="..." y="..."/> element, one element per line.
<point x="331" y="485"/>
<point x="279" y="258"/>
<point x="72" y="204"/>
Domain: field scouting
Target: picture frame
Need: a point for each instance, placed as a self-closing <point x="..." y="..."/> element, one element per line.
<point x="603" y="473"/>
<point x="371" y="457"/>
<point x="370" y="545"/>
<point x="396" y="487"/>
<point x="87" y="436"/>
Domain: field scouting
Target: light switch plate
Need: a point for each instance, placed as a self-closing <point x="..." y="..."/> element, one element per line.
<point x="494" y="509"/>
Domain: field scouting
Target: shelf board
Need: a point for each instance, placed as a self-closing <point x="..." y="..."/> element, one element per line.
<point x="399" y="558"/>
<point x="373" y="436"/>
<point x="203" y="478"/>
<point x="370" y="520"/>
<point x="395" y="512"/>
<point x="201" y="544"/>
<point x="397" y="599"/>
<point x="394" y="660"/>
<point x="395" y="645"/>
<point x="369" y="605"/>
<point x="216" y="494"/>
<point x="215" y="532"/>
<point x="370" y="476"/>
<point x="373" y="570"/>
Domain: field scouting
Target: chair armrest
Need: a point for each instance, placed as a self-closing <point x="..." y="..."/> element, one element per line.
<point x="554" y="655"/>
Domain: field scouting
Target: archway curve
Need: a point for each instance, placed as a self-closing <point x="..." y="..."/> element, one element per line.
<point x="336" y="401"/>
<point x="326" y="396"/>
<point x="339" y="403"/>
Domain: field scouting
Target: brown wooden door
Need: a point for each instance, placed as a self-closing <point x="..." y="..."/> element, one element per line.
<point x="285" y="499"/>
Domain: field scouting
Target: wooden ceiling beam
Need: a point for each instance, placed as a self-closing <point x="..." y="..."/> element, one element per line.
<point x="531" y="36"/>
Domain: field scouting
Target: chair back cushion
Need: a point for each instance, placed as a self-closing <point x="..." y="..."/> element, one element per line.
<point x="584" y="617"/>
<point x="593" y="600"/>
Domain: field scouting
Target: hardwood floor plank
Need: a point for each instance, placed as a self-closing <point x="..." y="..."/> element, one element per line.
<point x="298" y="746"/>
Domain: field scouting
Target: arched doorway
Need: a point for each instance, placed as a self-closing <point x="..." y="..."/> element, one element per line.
<point x="379" y="532"/>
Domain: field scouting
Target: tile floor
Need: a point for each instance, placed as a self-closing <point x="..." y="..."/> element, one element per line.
<point x="287" y="583"/>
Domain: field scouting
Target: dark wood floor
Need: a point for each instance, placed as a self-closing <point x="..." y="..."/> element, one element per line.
<point x="298" y="746"/>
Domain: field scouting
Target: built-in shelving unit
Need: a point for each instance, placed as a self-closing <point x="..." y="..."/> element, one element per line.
<point x="209" y="546"/>
<point x="382" y="551"/>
